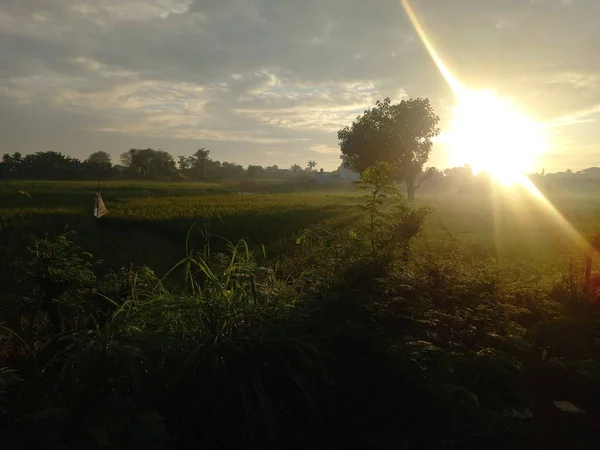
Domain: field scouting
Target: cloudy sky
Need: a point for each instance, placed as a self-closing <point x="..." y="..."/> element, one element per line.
<point x="271" y="81"/>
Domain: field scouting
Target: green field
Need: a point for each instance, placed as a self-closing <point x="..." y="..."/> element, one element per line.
<point x="294" y="317"/>
<point x="148" y="222"/>
<point x="511" y="229"/>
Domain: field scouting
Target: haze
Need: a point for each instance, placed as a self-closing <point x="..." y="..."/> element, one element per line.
<point x="271" y="82"/>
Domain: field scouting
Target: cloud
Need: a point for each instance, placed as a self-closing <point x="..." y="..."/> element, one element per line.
<point x="325" y="149"/>
<point x="256" y="76"/>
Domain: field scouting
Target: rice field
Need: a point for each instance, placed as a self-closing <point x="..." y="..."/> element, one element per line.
<point x="148" y="222"/>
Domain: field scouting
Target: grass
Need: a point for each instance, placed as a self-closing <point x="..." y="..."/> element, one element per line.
<point x="284" y="320"/>
<point x="161" y="214"/>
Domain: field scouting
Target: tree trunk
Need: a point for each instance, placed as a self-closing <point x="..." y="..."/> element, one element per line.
<point x="588" y="270"/>
<point x="410" y="190"/>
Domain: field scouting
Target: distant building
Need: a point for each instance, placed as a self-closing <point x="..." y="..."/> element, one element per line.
<point x="326" y="177"/>
<point x="591" y="172"/>
<point x="345" y="173"/>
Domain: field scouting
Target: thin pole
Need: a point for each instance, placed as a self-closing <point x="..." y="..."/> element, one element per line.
<point x="97" y="208"/>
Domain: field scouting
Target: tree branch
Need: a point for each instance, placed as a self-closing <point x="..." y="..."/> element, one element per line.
<point x="426" y="176"/>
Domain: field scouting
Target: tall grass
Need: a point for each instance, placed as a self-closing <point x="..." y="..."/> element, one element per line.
<point x="226" y="347"/>
<point x="364" y="333"/>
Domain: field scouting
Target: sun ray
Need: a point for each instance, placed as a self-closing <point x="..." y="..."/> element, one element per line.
<point x="571" y="232"/>
<point x="513" y="121"/>
<point x="487" y="132"/>
<point x="452" y="81"/>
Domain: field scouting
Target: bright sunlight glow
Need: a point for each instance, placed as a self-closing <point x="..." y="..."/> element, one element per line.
<point x="491" y="135"/>
<point x="488" y="132"/>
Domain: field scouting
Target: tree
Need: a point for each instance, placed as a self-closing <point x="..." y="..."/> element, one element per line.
<point x="149" y="164"/>
<point x="376" y="180"/>
<point x="400" y="135"/>
<point x="295" y="169"/>
<point x="45" y="165"/>
<point x="229" y="170"/>
<point x="311" y="165"/>
<point x="11" y="165"/>
<point x="255" y="171"/>
<point x="99" y="158"/>
<point x="50" y="165"/>
<point x="183" y="165"/>
<point x="98" y="165"/>
<point x="199" y="163"/>
<point x="126" y="158"/>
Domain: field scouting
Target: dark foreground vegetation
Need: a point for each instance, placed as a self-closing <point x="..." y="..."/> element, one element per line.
<point x="357" y="337"/>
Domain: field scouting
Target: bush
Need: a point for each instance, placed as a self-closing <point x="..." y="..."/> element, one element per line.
<point x="358" y="339"/>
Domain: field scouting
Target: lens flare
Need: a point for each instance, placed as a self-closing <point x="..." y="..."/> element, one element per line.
<point x="487" y="132"/>
<point x="513" y="141"/>
<point x="492" y="136"/>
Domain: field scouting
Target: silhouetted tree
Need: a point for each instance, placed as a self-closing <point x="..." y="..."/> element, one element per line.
<point x="183" y="166"/>
<point x="11" y="165"/>
<point x="400" y="135"/>
<point x="311" y="165"/>
<point x="149" y="164"/>
<point x="295" y="168"/>
<point x="229" y="170"/>
<point x="99" y="158"/>
<point x="98" y="166"/>
<point x="50" y="165"/>
<point x="126" y="158"/>
<point x="255" y="171"/>
<point x="199" y="163"/>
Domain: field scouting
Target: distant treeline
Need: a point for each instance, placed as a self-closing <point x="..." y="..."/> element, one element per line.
<point x="140" y="164"/>
<point x="159" y="165"/>
<point x="461" y="180"/>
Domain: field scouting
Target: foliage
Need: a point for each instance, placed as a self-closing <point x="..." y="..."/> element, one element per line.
<point x="400" y="135"/>
<point x="295" y="169"/>
<point x="136" y="164"/>
<point x="149" y="164"/>
<point x="438" y="339"/>
<point x="199" y="164"/>
<point x="255" y="171"/>
<point x="221" y="349"/>
<point x="40" y="166"/>
<point x="390" y="221"/>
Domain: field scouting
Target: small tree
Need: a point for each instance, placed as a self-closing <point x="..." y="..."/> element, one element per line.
<point x="295" y="168"/>
<point x="392" y="222"/>
<point x="183" y="166"/>
<point x="99" y="158"/>
<point x="200" y="162"/>
<point x="400" y="135"/>
<point x="98" y="165"/>
<point x="255" y="171"/>
<point x="183" y="163"/>
<point x="311" y="165"/>
<point x="376" y="180"/>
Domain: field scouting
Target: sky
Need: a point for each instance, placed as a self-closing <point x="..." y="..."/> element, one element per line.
<point x="272" y="81"/>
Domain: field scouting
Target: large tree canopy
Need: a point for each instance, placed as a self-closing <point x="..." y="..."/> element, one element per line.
<point x="98" y="165"/>
<point x="149" y="164"/>
<point x="400" y="135"/>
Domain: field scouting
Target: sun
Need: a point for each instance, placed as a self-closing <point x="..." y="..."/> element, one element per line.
<point x="493" y="136"/>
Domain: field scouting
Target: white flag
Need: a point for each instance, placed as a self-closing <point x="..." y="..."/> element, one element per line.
<point x="99" y="208"/>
